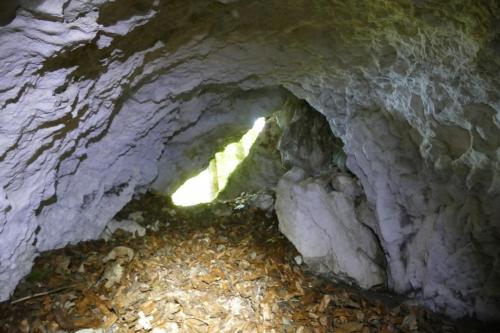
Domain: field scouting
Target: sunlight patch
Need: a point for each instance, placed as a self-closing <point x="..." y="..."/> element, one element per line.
<point x="205" y="186"/>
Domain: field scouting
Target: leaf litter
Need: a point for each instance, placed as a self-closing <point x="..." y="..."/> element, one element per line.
<point x="198" y="270"/>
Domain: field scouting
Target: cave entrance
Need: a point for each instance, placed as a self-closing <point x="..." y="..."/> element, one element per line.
<point x="205" y="186"/>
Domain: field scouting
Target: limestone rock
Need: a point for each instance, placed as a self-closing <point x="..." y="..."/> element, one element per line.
<point x="261" y="200"/>
<point x="102" y="99"/>
<point x="119" y="253"/>
<point x="324" y="227"/>
<point x="129" y="226"/>
<point x="307" y="141"/>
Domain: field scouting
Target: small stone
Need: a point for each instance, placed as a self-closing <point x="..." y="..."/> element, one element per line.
<point x="120" y="252"/>
<point x="239" y="207"/>
<point x="171" y="328"/>
<point x="159" y="330"/>
<point x="129" y="226"/>
<point x="155" y="226"/>
<point x="144" y="321"/>
<point x="112" y="274"/>
<point x="136" y="217"/>
<point x="69" y="304"/>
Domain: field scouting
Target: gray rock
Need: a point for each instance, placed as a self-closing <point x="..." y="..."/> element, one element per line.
<point x="307" y="141"/>
<point x="263" y="201"/>
<point x="324" y="227"/>
<point x="129" y="226"/>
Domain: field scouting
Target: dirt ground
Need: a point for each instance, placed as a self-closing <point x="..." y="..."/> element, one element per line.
<point x="208" y="269"/>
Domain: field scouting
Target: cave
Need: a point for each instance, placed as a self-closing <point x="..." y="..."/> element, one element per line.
<point x="377" y="173"/>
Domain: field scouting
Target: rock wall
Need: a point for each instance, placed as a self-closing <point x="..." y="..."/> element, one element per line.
<point x="102" y="99"/>
<point x="307" y="141"/>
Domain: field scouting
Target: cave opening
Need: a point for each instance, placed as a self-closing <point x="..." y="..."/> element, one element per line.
<point x="205" y="186"/>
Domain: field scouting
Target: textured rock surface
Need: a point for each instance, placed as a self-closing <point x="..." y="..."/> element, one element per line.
<point x="297" y="136"/>
<point x="307" y="141"/>
<point x="102" y="99"/>
<point x="330" y="227"/>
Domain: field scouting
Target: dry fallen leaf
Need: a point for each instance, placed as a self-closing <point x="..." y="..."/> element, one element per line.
<point x="266" y="311"/>
<point x="325" y="301"/>
<point x="349" y="327"/>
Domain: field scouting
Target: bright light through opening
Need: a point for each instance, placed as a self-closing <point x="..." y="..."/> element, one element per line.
<point x="207" y="184"/>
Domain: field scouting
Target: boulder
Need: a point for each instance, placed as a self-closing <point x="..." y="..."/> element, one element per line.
<point x="326" y="226"/>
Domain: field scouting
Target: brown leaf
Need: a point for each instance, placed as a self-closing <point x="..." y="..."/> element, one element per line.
<point x="266" y="311"/>
<point x="323" y="320"/>
<point x="325" y="301"/>
<point x="62" y="320"/>
<point x="148" y="307"/>
<point x="24" y="326"/>
<point x="349" y="327"/>
<point x="299" y="288"/>
<point x="110" y="319"/>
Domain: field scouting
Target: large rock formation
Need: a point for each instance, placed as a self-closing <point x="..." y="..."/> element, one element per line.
<point x="331" y="226"/>
<point x="102" y="99"/>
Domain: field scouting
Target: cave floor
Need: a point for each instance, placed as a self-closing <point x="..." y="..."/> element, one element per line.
<point x="197" y="271"/>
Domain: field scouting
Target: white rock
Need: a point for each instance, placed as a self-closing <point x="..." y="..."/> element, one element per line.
<point x="159" y="330"/>
<point x="119" y="253"/>
<point x="171" y="328"/>
<point x="90" y="330"/>
<point x="113" y="274"/>
<point x="129" y="226"/>
<point x="324" y="228"/>
<point x="144" y="322"/>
